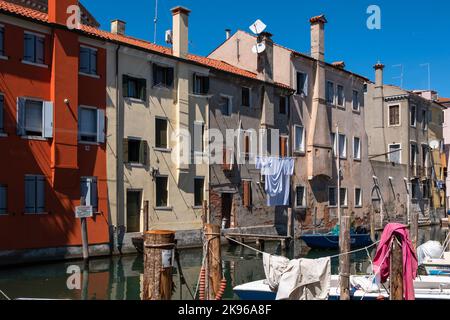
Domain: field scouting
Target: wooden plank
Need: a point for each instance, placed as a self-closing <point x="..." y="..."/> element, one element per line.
<point x="212" y="233"/>
<point x="344" y="259"/>
<point x="396" y="271"/>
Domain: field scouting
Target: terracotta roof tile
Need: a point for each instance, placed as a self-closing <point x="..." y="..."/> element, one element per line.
<point x="23" y="11"/>
<point x="443" y="100"/>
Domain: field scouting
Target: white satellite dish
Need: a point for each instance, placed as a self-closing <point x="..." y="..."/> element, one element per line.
<point x="435" y="145"/>
<point x="258" y="26"/>
<point x="259" y="48"/>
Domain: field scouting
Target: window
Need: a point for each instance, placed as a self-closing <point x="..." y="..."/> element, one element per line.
<point x="199" y="191"/>
<point x="227" y="105"/>
<point x="299" y="139"/>
<point x="247" y="201"/>
<point x="201" y="84"/>
<point x="284" y="147"/>
<point x="426" y="190"/>
<point x="35" y="118"/>
<point x="199" y="137"/>
<point x="356" y="148"/>
<point x="330" y="92"/>
<point x="2" y="108"/>
<point x="89" y="191"/>
<point x="343" y="198"/>
<point x="413" y="154"/>
<point x="425" y="155"/>
<point x="88" y="60"/>
<point x="355" y="101"/>
<point x="425" y="120"/>
<point x="300" y="195"/>
<point x="340" y="96"/>
<point x="245" y="97"/>
<point x="134" y="211"/>
<point x="161" y="192"/>
<point x="333" y="142"/>
<point x="284" y="105"/>
<point x="91" y="125"/>
<point x="413" y="116"/>
<point x="415" y="189"/>
<point x="342" y="146"/>
<point x="135" y="151"/>
<point x="34" y="194"/>
<point x="2" y="40"/>
<point x="332" y="197"/>
<point x="134" y="88"/>
<point x="161" y="133"/>
<point x="3" y="199"/>
<point x="394" y="115"/>
<point x="162" y="76"/>
<point x="358" y="198"/>
<point x="395" y="153"/>
<point x="247" y="142"/>
<point x="302" y="83"/>
<point x="34" y="48"/>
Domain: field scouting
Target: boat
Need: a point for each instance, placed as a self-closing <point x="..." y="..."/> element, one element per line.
<point x="438" y="267"/>
<point x="138" y="243"/>
<point x="331" y="241"/>
<point x="426" y="288"/>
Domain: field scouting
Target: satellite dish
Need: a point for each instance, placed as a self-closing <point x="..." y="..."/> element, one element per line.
<point x="259" y="48"/>
<point x="258" y="26"/>
<point x="169" y="37"/>
<point x="435" y="144"/>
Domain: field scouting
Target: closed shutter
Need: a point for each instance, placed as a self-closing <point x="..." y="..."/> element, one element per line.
<point x="100" y="126"/>
<point x="194" y="84"/>
<point x="143" y="89"/>
<point x="40" y="194"/>
<point x="3" y="199"/>
<point x="170" y="77"/>
<point x="155" y="74"/>
<point x="40" y="50"/>
<point x="84" y="60"/>
<point x="30" y="194"/>
<point x="21" y="116"/>
<point x="247" y="193"/>
<point x="94" y="193"/>
<point x="85" y="191"/>
<point x="48" y="119"/>
<point x="206" y="85"/>
<point x="93" y="61"/>
<point x="28" y="47"/>
<point x="143" y="153"/>
<point x="125" y="151"/>
<point x="125" y="80"/>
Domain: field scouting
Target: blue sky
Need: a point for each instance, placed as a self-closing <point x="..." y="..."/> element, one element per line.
<point x="412" y="32"/>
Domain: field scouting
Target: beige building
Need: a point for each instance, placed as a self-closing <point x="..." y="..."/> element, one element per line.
<point x="327" y="99"/>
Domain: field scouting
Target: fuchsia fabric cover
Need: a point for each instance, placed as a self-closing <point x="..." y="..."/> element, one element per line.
<point x="410" y="265"/>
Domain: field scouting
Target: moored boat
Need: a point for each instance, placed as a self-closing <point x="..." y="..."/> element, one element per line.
<point x="331" y="241"/>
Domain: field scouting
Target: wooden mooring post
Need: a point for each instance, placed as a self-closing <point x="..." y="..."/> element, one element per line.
<point x="372" y="226"/>
<point x="396" y="271"/>
<point x="344" y="259"/>
<point x="414" y="230"/>
<point x="214" y="268"/>
<point x="158" y="262"/>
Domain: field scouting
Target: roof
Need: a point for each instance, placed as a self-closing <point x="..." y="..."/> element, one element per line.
<point x="42" y="17"/>
<point x="444" y="100"/>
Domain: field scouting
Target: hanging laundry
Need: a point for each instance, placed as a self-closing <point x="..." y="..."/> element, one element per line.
<point x="277" y="172"/>
<point x="302" y="279"/>
<point x="381" y="262"/>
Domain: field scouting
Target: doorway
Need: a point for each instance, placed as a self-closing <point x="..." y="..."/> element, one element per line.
<point x="133" y="211"/>
<point x="227" y="204"/>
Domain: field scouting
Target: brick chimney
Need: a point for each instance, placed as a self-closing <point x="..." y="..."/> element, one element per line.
<point x="265" y="58"/>
<point x="379" y="68"/>
<point x="180" y="31"/>
<point x="58" y="10"/>
<point x="318" y="37"/>
<point x="118" y="27"/>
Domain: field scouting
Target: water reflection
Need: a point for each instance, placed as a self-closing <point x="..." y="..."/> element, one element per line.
<point x="121" y="278"/>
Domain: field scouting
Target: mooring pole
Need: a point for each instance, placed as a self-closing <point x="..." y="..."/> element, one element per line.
<point x="372" y="226"/>
<point x="344" y="259"/>
<point x="84" y="233"/>
<point x="146" y="217"/>
<point x="212" y="233"/>
<point x="158" y="256"/>
<point x="290" y="224"/>
<point x="396" y="271"/>
<point x="414" y="230"/>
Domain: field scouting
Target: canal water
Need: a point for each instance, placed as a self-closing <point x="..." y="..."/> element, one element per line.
<point x="121" y="278"/>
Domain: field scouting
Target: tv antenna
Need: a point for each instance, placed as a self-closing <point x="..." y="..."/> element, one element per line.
<point x="401" y="74"/>
<point x="257" y="28"/>
<point x="428" y="65"/>
<point x="155" y="20"/>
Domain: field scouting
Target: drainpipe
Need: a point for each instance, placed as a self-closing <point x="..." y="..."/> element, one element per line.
<point x="410" y="195"/>
<point x="118" y="163"/>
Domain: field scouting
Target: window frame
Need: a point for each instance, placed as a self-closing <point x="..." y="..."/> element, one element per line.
<point x="345" y="156"/>
<point x="90" y="72"/>
<point x="345" y="205"/>
<point x="204" y="87"/>
<point x="141" y="83"/>
<point x="229" y="105"/>
<point x="358" y="109"/>
<point x="249" y="97"/>
<point x="284" y="137"/>
<point x="358" y="204"/>
<point x="198" y="123"/>
<point x="169" y="74"/>
<point x="303" y="147"/>
<point x="341" y="106"/>
<point x="199" y="205"/>
<point x="399" y="115"/>
<point x="335" y="198"/>
<point x="411" y="144"/>
<point x="134" y="140"/>
<point x="34" y="61"/>
<point x="304" y="200"/>
<point x="301" y="92"/>
<point x="425" y="120"/>
<point x="399" y="152"/>
<point x="359" y="156"/>
<point x="36" y="211"/>
<point x="2" y="40"/>
<point x="80" y="140"/>
<point x="90" y="180"/>
<point x="26" y="132"/>
<point x="161" y="176"/>
<point x="4" y="211"/>
<point x="331" y="97"/>
<point x="411" y="108"/>
<point x="167" y="147"/>
<point x="286" y="104"/>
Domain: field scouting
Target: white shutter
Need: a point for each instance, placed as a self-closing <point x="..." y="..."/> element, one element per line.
<point x="30" y="194"/>
<point x="100" y="126"/>
<point x="47" y="120"/>
<point x="20" y="116"/>
<point x="40" y="194"/>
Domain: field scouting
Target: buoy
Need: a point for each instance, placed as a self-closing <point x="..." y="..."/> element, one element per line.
<point x="223" y="287"/>
<point x="202" y="284"/>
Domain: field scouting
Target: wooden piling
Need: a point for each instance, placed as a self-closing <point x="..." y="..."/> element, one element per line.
<point x="212" y="233"/>
<point x="344" y="259"/>
<point x="396" y="271"/>
<point x="146" y="217"/>
<point x="372" y="226"/>
<point x="414" y="230"/>
<point x="158" y="257"/>
<point x="290" y="223"/>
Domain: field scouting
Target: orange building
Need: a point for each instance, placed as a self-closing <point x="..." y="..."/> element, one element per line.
<point x="52" y="134"/>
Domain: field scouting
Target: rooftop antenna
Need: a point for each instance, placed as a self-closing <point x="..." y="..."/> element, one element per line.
<point x="428" y="65"/>
<point x="155" y="21"/>
<point x="401" y="74"/>
<point x="257" y="28"/>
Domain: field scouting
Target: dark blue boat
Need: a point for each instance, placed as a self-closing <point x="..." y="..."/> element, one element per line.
<point x="331" y="241"/>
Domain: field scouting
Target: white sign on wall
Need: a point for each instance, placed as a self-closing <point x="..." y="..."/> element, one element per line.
<point x="84" y="212"/>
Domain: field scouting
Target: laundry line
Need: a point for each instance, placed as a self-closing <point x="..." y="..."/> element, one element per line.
<point x="331" y="257"/>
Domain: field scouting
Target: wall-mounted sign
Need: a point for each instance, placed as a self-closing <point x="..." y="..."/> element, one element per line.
<point x="84" y="212"/>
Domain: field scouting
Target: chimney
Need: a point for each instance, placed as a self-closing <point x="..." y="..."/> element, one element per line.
<point x="265" y="58"/>
<point x="180" y="31"/>
<point x="118" y="27"/>
<point x="379" y="67"/>
<point x="227" y="34"/>
<point x="58" y="10"/>
<point x="318" y="37"/>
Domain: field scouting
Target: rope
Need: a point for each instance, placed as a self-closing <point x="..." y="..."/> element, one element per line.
<point x="244" y="245"/>
<point x="4" y="294"/>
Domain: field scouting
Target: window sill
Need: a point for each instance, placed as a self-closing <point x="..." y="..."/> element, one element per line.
<point x="341" y="107"/>
<point x="197" y="207"/>
<point x="163" y="208"/>
<point x="199" y="95"/>
<point x="34" y="138"/>
<point x="36" y="214"/>
<point x="95" y="76"/>
<point x="357" y="160"/>
<point x="89" y="143"/>
<point x="356" y="111"/>
<point x="136" y="165"/>
<point x="301" y="208"/>
<point x="135" y="100"/>
<point x="163" y="150"/>
<point x="3" y="57"/>
<point x="35" y="64"/>
<point x="3" y="135"/>
<point x="299" y="153"/>
<point x="162" y="87"/>
<point x="358" y="207"/>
